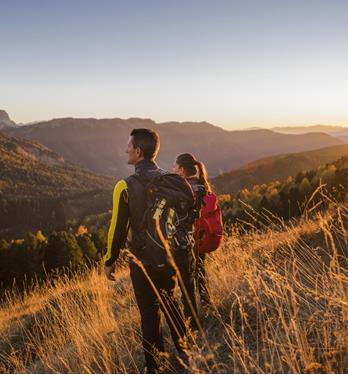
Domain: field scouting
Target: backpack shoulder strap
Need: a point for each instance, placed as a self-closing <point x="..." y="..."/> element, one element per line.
<point x="200" y="193"/>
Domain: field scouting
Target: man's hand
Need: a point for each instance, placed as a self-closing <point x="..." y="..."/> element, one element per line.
<point x="109" y="272"/>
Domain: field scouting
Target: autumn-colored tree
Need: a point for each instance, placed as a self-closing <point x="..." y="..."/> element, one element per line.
<point x="81" y="230"/>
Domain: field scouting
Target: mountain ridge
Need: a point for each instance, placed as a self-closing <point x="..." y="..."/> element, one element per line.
<point x="277" y="167"/>
<point x="99" y="144"/>
<point x="329" y="129"/>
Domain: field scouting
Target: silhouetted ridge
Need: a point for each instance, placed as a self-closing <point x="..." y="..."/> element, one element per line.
<point x="99" y="144"/>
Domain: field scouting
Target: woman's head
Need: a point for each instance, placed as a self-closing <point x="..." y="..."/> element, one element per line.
<point x="187" y="165"/>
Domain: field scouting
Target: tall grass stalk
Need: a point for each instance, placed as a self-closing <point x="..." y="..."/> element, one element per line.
<point x="280" y="305"/>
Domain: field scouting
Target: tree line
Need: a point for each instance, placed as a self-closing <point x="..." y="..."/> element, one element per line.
<point x="36" y="255"/>
<point x="289" y="198"/>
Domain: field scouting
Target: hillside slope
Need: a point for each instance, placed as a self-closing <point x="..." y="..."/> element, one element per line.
<point x="344" y="138"/>
<point x="279" y="307"/>
<point x="39" y="188"/>
<point x="99" y="145"/>
<point x="274" y="168"/>
<point x="288" y="199"/>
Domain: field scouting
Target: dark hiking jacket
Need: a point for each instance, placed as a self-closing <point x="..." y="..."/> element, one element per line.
<point x="129" y="205"/>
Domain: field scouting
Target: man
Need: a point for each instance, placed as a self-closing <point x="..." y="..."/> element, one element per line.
<point x="129" y="205"/>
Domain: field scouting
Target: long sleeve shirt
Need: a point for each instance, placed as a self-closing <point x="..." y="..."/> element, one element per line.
<point x="119" y="225"/>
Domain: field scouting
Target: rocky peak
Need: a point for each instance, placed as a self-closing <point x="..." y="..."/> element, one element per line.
<point x="5" y="120"/>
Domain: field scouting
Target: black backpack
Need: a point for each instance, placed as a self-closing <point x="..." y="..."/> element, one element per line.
<point x="170" y="201"/>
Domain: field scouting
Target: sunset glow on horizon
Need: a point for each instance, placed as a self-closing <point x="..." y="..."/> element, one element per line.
<point x="235" y="64"/>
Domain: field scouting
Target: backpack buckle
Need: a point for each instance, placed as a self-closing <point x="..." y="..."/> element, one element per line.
<point x="159" y="209"/>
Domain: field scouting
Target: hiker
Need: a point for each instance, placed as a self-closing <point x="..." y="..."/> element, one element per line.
<point x="130" y="211"/>
<point x="208" y="231"/>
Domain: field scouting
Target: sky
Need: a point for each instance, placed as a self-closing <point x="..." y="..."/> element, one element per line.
<point x="236" y="63"/>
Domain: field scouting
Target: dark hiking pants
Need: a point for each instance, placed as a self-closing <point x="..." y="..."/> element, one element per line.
<point x="194" y="277"/>
<point x="186" y="266"/>
<point x="202" y="282"/>
<point x="150" y="306"/>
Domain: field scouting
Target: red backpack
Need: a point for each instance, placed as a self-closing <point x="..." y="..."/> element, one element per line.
<point x="208" y="229"/>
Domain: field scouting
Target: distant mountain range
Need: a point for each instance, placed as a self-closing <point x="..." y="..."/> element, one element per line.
<point x="336" y="131"/>
<point x="274" y="168"/>
<point x="39" y="189"/>
<point x="99" y="145"/>
<point x="45" y="182"/>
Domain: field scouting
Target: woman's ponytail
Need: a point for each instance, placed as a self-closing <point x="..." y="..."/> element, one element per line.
<point x="203" y="175"/>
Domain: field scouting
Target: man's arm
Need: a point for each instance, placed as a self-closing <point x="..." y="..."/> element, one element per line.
<point x="119" y="225"/>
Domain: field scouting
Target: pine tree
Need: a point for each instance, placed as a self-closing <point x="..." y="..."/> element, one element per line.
<point x="62" y="251"/>
<point x="88" y="248"/>
<point x="305" y="187"/>
<point x="33" y="248"/>
<point x="100" y="239"/>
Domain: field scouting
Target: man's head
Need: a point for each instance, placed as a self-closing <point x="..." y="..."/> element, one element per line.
<point x="142" y="144"/>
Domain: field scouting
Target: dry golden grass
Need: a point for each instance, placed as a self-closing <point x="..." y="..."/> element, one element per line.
<point x="281" y="305"/>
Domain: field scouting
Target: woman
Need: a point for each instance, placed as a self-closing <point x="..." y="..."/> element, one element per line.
<point x="195" y="172"/>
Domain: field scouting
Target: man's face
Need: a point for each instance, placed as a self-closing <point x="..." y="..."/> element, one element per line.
<point x="134" y="154"/>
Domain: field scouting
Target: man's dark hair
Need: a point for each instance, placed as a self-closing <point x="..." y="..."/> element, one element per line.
<point x="147" y="140"/>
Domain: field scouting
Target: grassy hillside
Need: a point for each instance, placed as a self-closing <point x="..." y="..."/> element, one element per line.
<point x="280" y="306"/>
<point x="99" y="145"/>
<point x="273" y="168"/>
<point x="38" y="187"/>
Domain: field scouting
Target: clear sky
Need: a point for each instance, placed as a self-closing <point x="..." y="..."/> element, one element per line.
<point x="236" y="63"/>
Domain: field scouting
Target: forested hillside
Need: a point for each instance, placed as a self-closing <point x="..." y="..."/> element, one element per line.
<point x="288" y="198"/>
<point x="273" y="168"/>
<point x="38" y="189"/>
